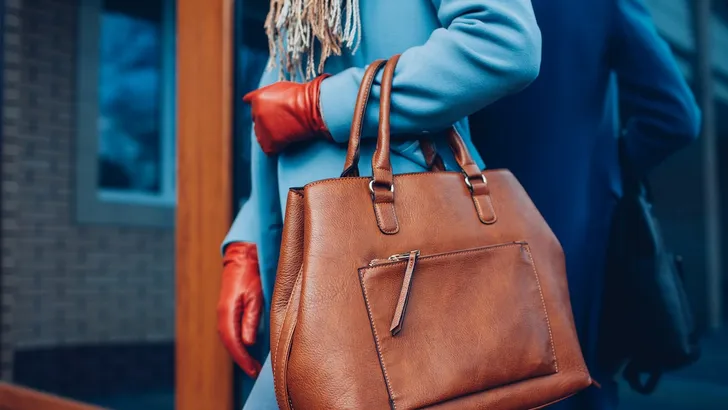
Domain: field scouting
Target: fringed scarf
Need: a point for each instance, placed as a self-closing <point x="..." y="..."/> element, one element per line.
<point x="295" y="26"/>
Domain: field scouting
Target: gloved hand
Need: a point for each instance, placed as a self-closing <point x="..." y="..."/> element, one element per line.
<point x="240" y="304"/>
<point x="286" y="112"/>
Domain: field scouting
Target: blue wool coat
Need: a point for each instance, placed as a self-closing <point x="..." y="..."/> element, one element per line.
<point x="457" y="57"/>
<point x="605" y="72"/>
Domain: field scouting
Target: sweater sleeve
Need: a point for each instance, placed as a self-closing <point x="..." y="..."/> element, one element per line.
<point x="485" y="50"/>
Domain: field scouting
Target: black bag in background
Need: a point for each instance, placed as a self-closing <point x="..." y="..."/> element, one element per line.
<point x="647" y="325"/>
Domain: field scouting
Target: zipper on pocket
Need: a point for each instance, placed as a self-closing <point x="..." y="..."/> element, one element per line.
<point x="393" y="258"/>
<point x="411" y="257"/>
<point x="399" y="311"/>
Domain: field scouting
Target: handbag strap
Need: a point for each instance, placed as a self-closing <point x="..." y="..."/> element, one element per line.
<point x="381" y="165"/>
<point x="381" y="186"/>
<point x="351" y="166"/>
<point x="433" y="160"/>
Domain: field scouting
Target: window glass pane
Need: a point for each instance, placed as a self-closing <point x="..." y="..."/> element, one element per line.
<point x="130" y="71"/>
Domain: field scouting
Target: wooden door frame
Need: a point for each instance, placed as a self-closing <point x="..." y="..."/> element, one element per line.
<point x="204" y="372"/>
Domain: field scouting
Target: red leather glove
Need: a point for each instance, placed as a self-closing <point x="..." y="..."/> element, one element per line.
<point x="286" y="112"/>
<point x="240" y="304"/>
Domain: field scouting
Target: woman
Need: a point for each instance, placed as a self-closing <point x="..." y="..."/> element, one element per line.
<point x="457" y="57"/>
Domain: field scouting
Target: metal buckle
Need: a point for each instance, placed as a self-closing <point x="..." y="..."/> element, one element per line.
<point x="470" y="185"/>
<point x="371" y="187"/>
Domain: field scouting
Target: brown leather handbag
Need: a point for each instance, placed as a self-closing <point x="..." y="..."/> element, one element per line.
<point x="442" y="290"/>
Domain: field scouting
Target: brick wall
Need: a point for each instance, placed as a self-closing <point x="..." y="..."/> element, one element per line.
<point x="63" y="283"/>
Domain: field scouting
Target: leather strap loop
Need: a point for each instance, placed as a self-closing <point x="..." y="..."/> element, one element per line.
<point x="351" y="166"/>
<point x="382" y="177"/>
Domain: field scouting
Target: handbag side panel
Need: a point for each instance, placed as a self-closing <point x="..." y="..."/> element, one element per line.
<point x="289" y="266"/>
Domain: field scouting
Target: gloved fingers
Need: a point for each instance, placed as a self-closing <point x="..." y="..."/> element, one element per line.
<point x="229" y="331"/>
<point x="250" y="366"/>
<point x="248" y="98"/>
<point x="252" y="306"/>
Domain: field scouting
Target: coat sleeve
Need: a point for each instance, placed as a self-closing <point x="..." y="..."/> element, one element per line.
<point x="658" y="112"/>
<point x="245" y="225"/>
<point x="260" y="215"/>
<point x="486" y="49"/>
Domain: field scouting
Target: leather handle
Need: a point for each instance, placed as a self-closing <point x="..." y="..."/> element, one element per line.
<point x="433" y="160"/>
<point x="351" y="166"/>
<point x="382" y="183"/>
<point x="381" y="163"/>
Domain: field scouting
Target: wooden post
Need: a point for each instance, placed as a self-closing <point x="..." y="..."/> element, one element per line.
<point x="204" y="99"/>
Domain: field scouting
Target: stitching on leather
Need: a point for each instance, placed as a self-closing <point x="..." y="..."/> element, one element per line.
<point x="380" y="222"/>
<point x="542" y="406"/>
<point x="290" y="297"/>
<point x="408" y="174"/>
<point x="492" y="207"/>
<point x="376" y="339"/>
<point x="478" y="208"/>
<point x="289" y="341"/>
<point x="390" y="207"/>
<point x="522" y="244"/>
<point x="543" y="302"/>
<point x="376" y="215"/>
<point x="455" y="130"/>
<point x="481" y="214"/>
<point x="276" y="386"/>
<point x="363" y="108"/>
<point x="448" y="254"/>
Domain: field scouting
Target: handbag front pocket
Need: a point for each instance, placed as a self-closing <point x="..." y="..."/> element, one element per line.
<point x="457" y="323"/>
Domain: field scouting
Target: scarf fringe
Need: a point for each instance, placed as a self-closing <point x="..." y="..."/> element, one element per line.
<point x="296" y="28"/>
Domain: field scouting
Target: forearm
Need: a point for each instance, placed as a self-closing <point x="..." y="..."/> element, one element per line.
<point x="487" y="49"/>
<point x="261" y="212"/>
<point x="243" y="227"/>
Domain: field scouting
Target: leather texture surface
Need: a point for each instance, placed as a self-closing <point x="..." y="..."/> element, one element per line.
<point x="485" y="321"/>
<point x="289" y="267"/>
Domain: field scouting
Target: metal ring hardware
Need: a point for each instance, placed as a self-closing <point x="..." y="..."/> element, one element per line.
<point x="371" y="187"/>
<point x="470" y="185"/>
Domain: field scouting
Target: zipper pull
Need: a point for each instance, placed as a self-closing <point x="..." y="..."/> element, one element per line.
<point x="399" y="311"/>
<point x="400" y="256"/>
<point x="392" y="258"/>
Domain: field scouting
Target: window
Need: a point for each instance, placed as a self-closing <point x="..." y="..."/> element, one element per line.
<point x="126" y="112"/>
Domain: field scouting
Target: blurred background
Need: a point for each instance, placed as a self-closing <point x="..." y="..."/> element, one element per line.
<point x="87" y="285"/>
